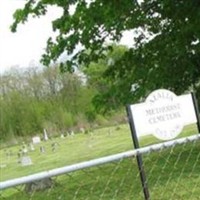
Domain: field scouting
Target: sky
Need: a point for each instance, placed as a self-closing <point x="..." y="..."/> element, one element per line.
<point x="28" y="43"/>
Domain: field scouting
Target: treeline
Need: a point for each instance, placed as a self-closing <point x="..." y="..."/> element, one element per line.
<point x="32" y="100"/>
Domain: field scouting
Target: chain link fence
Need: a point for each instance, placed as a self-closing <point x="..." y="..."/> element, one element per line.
<point x="172" y="172"/>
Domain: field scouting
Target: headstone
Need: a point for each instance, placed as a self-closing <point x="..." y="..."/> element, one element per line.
<point x="26" y="160"/>
<point x="45" y="135"/>
<point x="36" y="140"/>
<point x="19" y="155"/>
<point x="54" y="146"/>
<point x="68" y="134"/>
<point x="62" y="136"/>
<point x="72" y="133"/>
<point x="31" y="146"/>
<point x="42" y="149"/>
<point x="24" y="149"/>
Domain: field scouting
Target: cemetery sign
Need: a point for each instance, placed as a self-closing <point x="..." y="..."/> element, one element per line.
<point x="163" y="114"/>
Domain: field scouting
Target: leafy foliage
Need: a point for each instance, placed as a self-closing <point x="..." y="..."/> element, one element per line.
<point x="32" y="100"/>
<point x="108" y="92"/>
<point x="166" y="36"/>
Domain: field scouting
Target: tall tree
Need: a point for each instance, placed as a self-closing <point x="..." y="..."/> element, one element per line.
<point x="31" y="100"/>
<point x="166" y="37"/>
<point x="108" y="91"/>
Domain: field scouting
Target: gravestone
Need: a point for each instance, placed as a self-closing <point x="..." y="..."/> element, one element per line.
<point x="26" y="160"/>
<point x="68" y="134"/>
<point x="45" y="135"/>
<point x="54" y="146"/>
<point x="72" y="133"/>
<point x="19" y="155"/>
<point x="24" y="149"/>
<point x="62" y="136"/>
<point x="36" y="140"/>
<point x="31" y="146"/>
<point x="42" y="149"/>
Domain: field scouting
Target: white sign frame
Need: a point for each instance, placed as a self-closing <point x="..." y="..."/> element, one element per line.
<point x="163" y="114"/>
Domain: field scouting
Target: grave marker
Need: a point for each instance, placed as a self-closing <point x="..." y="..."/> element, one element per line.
<point x="24" y="149"/>
<point x="72" y="133"/>
<point x="45" y="135"/>
<point x="42" y="149"/>
<point x="36" y="140"/>
<point x="54" y="146"/>
<point x="31" y="146"/>
<point x="19" y="155"/>
<point x="26" y="160"/>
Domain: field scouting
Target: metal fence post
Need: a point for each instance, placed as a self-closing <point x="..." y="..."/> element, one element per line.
<point x="196" y="110"/>
<point x="138" y="156"/>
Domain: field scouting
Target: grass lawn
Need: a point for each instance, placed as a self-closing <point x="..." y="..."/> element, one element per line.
<point x="70" y="150"/>
<point x="172" y="174"/>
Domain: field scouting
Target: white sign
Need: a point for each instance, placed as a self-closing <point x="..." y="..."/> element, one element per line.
<point x="163" y="114"/>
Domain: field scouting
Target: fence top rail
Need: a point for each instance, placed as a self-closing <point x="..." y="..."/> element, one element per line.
<point x="95" y="162"/>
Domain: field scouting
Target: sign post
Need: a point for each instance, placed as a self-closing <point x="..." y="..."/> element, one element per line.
<point x="138" y="157"/>
<point x="196" y="111"/>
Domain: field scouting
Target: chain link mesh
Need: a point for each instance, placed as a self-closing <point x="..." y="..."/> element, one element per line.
<point x="172" y="173"/>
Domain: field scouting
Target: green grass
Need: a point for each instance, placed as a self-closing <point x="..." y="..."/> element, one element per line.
<point x="172" y="174"/>
<point x="71" y="150"/>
